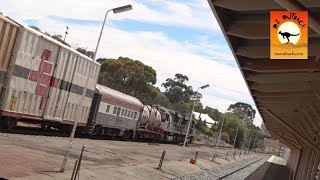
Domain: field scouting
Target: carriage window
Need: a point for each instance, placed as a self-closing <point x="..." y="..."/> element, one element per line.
<point x="129" y="112"/>
<point x="131" y="115"/>
<point x="135" y="115"/>
<point x="108" y="108"/>
<point x="119" y="110"/>
<point x="122" y="112"/>
<point x="114" y="110"/>
<point x="125" y="113"/>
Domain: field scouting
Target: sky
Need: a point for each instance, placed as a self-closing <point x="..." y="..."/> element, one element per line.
<point x="172" y="36"/>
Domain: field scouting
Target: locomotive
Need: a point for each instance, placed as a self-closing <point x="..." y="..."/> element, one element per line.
<point x="42" y="80"/>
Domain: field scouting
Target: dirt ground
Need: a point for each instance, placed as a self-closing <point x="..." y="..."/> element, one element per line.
<point x="40" y="157"/>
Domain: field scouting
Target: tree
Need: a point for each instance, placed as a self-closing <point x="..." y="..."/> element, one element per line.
<point x="213" y="113"/>
<point x="177" y="90"/>
<point x="162" y="100"/>
<point x="244" y="111"/>
<point x="57" y="37"/>
<point x="35" y="28"/>
<point x="85" y="52"/>
<point x="130" y="77"/>
<point x="101" y="60"/>
<point x="198" y="107"/>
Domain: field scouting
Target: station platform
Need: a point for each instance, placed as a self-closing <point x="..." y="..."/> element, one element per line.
<point x="273" y="169"/>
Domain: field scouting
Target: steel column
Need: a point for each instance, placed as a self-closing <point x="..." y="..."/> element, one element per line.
<point x="315" y="166"/>
<point x="310" y="164"/>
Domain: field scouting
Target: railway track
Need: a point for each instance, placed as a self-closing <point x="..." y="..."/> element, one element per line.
<point x="37" y="131"/>
<point x="238" y="174"/>
<point x="238" y="170"/>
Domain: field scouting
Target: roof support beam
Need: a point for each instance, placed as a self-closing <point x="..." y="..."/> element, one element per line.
<point x="282" y="66"/>
<point x="286" y="140"/>
<point x="284" y="94"/>
<point x="316" y="114"/>
<point x="278" y="87"/>
<point x="261" y="48"/>
<point x="296" y="6"/>
<point x="316" y="126"/>
<point x="290" y="129"/>
<point x="283" y="77"/>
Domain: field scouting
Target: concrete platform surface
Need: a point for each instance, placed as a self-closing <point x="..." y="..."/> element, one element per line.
<point x="273" y="169"/>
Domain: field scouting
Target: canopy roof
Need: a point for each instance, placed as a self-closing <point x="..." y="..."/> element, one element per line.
<point x="286" y="92"/>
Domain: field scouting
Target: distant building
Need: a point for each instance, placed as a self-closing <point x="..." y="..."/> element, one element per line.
<point x="205" y="117"/>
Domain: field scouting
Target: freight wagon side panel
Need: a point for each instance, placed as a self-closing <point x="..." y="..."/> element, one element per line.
<point x="8" y="35"/>
<point x="63" y="75"/>
<point x="78" y="83"/>
<point x="31" y="76"/>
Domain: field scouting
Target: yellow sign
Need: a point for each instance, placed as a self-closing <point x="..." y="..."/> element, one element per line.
<point x="288" y="35"/>
<point x="12" y="104"/>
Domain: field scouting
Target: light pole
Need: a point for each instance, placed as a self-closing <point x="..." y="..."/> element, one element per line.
<point x="249" y="145"/>
<point x="190" y="119"/>
<point x="234" y="142"/>
<point x="81" y="100"/>
<point x="115" y="11"/>
<point x="66" y="33"/>
<point x="235" y="138"/>
<point x="254" y="143"/>
<point x="217" y="144"/>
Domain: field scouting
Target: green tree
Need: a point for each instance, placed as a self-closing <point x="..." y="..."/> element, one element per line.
<point x="130" y="77"/>
<point x="57" y="37"/>
<point x="244" y="111"/>
<point x="101" y="60"/>
<point x="162" y="100"/>
<point x="231" y="123"/>
<point x="182" y="107"/>
<point x="177" y="90"/>
<point x="85" y="52"/>
<point x="198" y="107"/>
<point x="35" y="28"/>
<point x="213" y="113"/>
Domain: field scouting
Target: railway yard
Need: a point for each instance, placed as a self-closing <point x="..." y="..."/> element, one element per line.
<point x="40" y="157"/>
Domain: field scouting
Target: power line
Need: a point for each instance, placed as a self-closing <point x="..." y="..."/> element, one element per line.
<point x="192" y="80"/>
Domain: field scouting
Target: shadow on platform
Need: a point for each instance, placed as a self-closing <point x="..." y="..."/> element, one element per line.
<point x="272" y="169"/>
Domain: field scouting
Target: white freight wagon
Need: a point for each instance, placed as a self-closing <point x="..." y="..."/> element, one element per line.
<point x="41" y="79"/>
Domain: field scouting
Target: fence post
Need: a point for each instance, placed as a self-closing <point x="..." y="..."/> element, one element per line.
<point x="196" y="156"/>
<point x="74" y="170"/>
<point x="234" y="154"/>
<point x="161" y="160"/>
<point x="227" y="155"/>
<point x="79" y="163"/>
<point x="213" y="158"/>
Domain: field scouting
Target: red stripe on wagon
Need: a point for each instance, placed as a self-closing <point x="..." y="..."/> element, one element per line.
<point x="71" y="122"/>
<point x="110" y="99"/>
<point x="43" y="80"/>
<point x="21" y="115"/>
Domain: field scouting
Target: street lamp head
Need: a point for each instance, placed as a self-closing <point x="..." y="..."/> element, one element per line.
<point x="205" y="86"/>
<point x="122" y="9"/>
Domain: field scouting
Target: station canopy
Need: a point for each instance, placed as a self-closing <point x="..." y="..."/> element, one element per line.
<point x="286" y="92"/>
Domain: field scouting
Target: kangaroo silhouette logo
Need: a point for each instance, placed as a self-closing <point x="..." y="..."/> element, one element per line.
<point x="289" y="32"/>
<point x="287" y="35"/>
